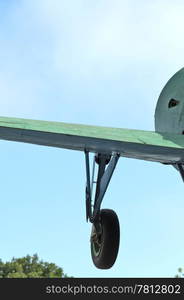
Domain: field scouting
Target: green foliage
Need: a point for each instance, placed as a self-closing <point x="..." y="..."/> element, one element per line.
<point x="30" y="267"/>
<point x="180" y="273"/>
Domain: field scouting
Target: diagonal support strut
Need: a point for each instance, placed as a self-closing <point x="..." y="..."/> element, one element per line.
<point x="180" y="168"/>
<point x="106" y="166"/>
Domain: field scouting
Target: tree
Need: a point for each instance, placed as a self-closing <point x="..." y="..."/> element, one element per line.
<point x="30" y="267"/>
<point x="180" y="273"/>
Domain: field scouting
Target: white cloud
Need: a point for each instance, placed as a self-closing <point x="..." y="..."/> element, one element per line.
<point x="111" y="35"/>
<point x="24" y="65"/>
<point x="88" y="57"/>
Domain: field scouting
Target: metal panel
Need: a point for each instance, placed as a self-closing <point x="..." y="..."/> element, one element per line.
<point x="169" y="113"/>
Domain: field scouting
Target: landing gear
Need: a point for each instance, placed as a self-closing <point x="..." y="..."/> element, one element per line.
<point x="105" y="239"/>
<point x="105" y="233"/>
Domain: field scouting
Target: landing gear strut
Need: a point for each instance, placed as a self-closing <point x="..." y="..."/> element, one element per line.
<point x="105" y="233"/>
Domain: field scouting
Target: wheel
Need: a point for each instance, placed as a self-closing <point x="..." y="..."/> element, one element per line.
<point x="105" y="243"/>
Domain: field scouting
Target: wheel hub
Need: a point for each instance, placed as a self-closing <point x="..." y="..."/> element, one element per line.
<point x="96" y="238"/>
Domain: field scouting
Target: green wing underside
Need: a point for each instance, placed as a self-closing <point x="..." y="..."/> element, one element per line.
<point x="146" y="145"/>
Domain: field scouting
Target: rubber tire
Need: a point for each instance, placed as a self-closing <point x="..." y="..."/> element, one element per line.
<point x="110" y="240"/>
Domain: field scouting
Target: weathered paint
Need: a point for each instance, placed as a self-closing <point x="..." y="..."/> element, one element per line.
<point x="147" y="145"/>
<point x="170" y="117"/>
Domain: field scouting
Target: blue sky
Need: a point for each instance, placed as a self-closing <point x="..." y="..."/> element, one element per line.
<point x="100" y="63"/>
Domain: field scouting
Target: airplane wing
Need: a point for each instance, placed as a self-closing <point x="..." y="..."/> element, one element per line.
<point x="147" y="145"/>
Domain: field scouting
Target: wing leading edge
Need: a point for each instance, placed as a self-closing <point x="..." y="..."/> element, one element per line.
<point x="146" y="145"/>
